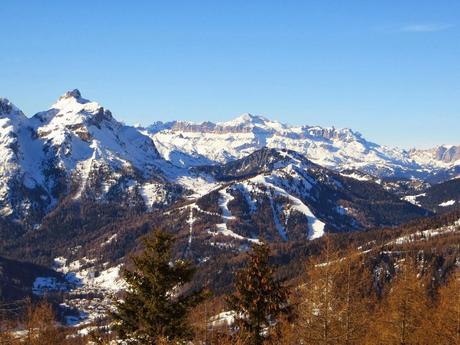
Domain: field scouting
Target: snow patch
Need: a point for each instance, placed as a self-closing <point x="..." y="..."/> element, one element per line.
<point x="413" y="198"/>
<point x="42" y="285"/>
<point x="225" y="198"/>
<point x="356" y="176"/>
<point x="152" y="193"/>
<point x="447" y="203"/>
<point x="225" y="318"/>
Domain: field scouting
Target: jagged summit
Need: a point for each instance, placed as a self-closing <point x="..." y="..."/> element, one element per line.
<point x="75" y="93"/>
<point x="5" y="106"/>
<point x="73" y="101"/>
<point x="222" y="142"/>
<point x="445" y="154"/>
<point x="8" y="108"/>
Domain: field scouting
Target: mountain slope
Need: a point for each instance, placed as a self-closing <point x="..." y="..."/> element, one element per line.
<point x="280" y="195"/>
<point x="440" y="198"/>
<point x="277" y="195"/>
<point x="77" y="149"/>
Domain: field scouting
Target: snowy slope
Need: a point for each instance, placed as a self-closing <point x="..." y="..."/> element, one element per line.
<point x="21" y="164"/>
<point x="187" y="144"/>
<point x="92" y="149"/>
<point x="280" y="195"/>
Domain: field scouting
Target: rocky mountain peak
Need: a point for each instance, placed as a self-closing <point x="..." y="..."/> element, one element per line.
<point x="75" y="93"/>
<point x="448" y="153"/>
<point x="72" y="101"/>
<point x="443" y="154"/>
<point x="7" y="108"/>
<point x="332" y="133"/>
<point x="74" y="147"/>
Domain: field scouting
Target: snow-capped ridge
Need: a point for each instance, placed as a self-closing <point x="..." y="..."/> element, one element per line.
<point x="192" y="144"/>
<point x="442" y="154"/>
<point x="210" y="143"/>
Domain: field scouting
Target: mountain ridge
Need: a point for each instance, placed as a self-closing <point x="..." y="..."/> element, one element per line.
<point x="187" y="143"/>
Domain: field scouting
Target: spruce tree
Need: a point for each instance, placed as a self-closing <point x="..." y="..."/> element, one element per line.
<point x="154" y="307"/>
<point x="259" y="300"/>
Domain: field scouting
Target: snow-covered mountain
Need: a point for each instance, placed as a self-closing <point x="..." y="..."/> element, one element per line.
<point x="186" y="144"/>
<point x="75" y="149"/>
<point x="279" y="194"/>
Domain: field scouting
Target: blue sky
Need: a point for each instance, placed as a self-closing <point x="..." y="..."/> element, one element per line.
<point x="388" y="69"/>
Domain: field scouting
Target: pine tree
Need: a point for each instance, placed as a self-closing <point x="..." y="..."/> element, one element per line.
<point x="154" y="307"/>
<point x="259" y="300"/>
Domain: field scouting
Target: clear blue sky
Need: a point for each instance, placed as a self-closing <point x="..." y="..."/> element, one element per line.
<point x="389" y="69"/>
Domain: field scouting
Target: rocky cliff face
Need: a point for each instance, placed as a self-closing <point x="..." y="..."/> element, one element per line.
<point x="447" y="154"/>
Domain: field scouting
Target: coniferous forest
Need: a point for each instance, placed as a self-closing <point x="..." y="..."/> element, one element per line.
<point x="402" y="293"/>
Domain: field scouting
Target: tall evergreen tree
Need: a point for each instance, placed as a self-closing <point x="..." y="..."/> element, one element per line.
<point x="259" y="300"/>
<point x="154" y="307"/>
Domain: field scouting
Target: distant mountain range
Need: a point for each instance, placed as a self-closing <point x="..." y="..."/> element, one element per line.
<point x="186" y="144"/>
